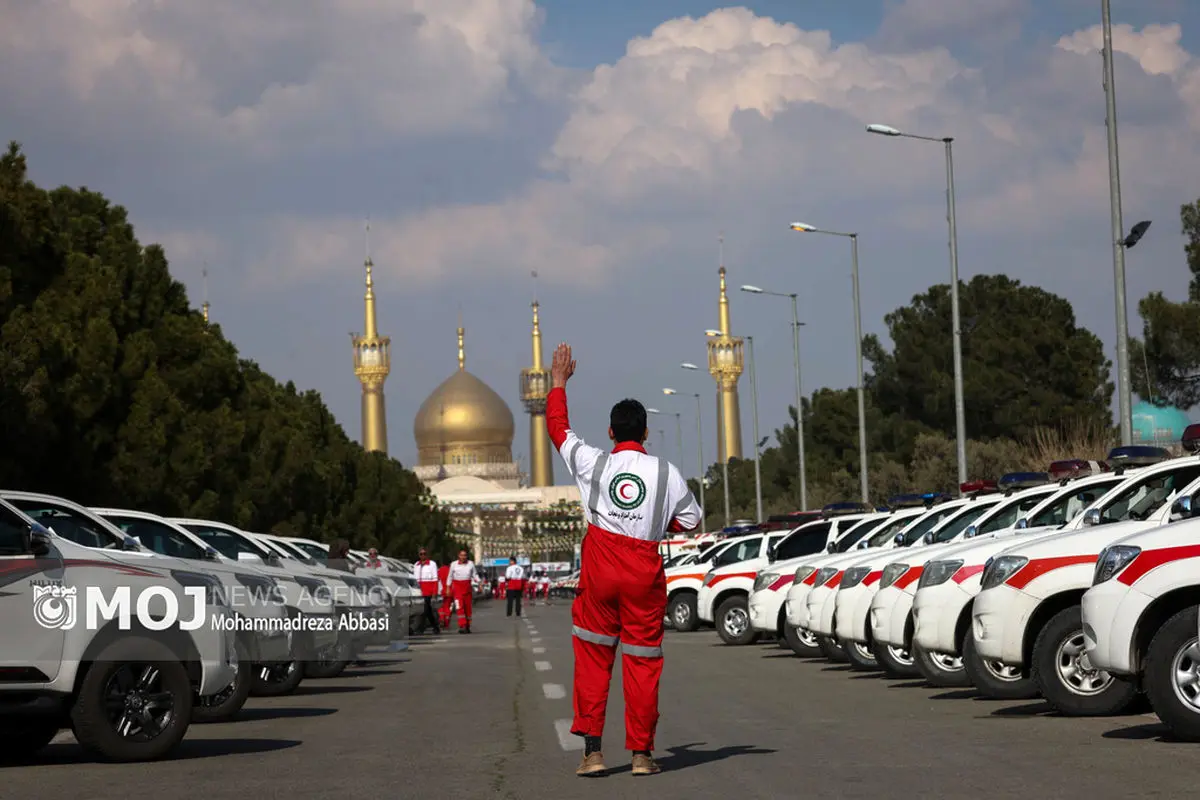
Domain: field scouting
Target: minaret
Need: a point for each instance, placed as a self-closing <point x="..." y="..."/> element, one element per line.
<point x="535" y="385"/>
<point x="204" y="307"/>
<point x="725" y="364"/>
<point x="372" y="363"/>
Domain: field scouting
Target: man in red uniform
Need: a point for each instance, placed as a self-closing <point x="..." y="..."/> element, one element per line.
<point x="631" y="499"/>
<point x="426" y="573"/>
<point x="447" y="610"/>
<point x="462" y="573"/>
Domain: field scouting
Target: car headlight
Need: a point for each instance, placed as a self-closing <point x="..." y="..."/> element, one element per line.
<point x="764" y="580"/>
<point x="261" y="589"/>
<point x="802" y="574"/>
<point x="824" y="574"/>
<point x="891" y="574"/>
<point x="317" y="589"/>
<point x="999" y="570"/>
<point x="709" y="578"/>
<point x="938" y="572"/>
<point x="1112" y="560"/>
<point x="854" y="576"/>
<point x="214" y="593"/>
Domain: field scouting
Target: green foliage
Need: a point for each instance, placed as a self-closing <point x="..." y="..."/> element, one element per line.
<point x="117" y="393"/>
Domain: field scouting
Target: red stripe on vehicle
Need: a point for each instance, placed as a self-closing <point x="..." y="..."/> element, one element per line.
<point x="908" y="578"/>
<point x="717" y="579"/>
<point x="693" y="575"/>
<point x="1149" y="560"/>
<point x="782" y="581"/>
<point x="966" y="573"/>
<point x="810" y="580"/>
<point x="872" y="577"/>
<point x="833" y="582"/>
<point x="1040" y="566"/>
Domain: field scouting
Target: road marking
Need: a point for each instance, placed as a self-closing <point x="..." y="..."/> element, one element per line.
<point x="533" y="631"/>
<point x="554" y="691"/>
<point x="539" y="650"/>
<point x="542" y="666"/>
<point x="566" y="739"/>
<point x="535" y="640"/>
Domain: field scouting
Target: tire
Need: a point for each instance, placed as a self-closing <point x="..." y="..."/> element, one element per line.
<point x="276" y="680"/>
<point x="803" y="643"/>
<point x="331" y="664"/>
<point x="1175" y="649"/>
<point x="682" y="612"/>
<point x="733" y="622"/>
<point x="226" y="704"/>
<point x="831" y="650"/>
<point x="994" y="680"/>
<point x="861" y="657"/>
<point x="162" y="690"/>
<point x="940" y="670"/>
<point x="894" y="661"/>
<point x="1064" y="677"/>
<point x="21" y="739"/>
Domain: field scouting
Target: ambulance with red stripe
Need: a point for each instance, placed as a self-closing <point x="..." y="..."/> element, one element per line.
<point x="724" y="598"/>
<point x="912" y="509"/>
<point x="877" y="614"/>
<point x="684" y="581"/>
<point x="1028" y="613"/>
<point x="1140" y="618"/>
<point x="767" y="612"/>
<point x="946" y="587"/>
<point x="867" y="568"/>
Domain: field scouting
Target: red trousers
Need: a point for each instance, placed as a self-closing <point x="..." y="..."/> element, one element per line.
<point x="462" y="593"/>
<point x="622" y="598"/>
<point x="447" y="610"/>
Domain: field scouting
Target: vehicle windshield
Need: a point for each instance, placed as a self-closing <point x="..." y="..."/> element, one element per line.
<point x="292" y="550"/>
<point x="889" y="531"/>
<point x="958" y="524"/>
<point x="226" y="542"/>
<point x="1009" y="513"/>
<point x="855" y="534"/>
<point x="158" y="536"/>
<point x="68" y="524"/>
<point x="1071" y="504"/>
<point x="676" y="560"/>
<point x="712" y="552"/>
<point x="12" y="533"/>
<point x="739" y="551"/>
<point x="1148" y="495"/>
<point x="315" y="551"/>
<point x="927" y="523"/>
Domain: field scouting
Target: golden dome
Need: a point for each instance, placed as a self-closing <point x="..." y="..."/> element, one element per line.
<point x="463" y="422"/>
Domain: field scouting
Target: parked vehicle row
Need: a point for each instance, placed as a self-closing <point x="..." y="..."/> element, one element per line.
<point x="1079" y="585"/>
<point x="125" y="627"/>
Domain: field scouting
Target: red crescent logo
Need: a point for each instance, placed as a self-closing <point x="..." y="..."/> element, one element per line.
<point x="621" y="491"/>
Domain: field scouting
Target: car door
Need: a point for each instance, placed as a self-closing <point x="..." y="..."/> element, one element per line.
<point x="36" y="605"/>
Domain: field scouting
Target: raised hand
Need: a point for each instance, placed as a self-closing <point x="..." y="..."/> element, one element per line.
<point x="562" y="367"/>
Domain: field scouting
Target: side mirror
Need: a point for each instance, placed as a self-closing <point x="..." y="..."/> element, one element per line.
<point x="211" y="554"/>
<point x="898" y="540"/>
<point x="1022" y="524"/>
<point x="249" y="557"/>
<point x="37" y="540"/>
<point x="927" y="538"/>
<point x="1182" y="508"/>
<point x="130" y="543"/>
<point x="829" y="547"/>
<point x="971" y="532"/>
<point x="863" y="545"/>
<point x="1091" y="517"/>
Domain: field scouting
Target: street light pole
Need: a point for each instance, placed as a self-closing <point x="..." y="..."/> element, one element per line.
<point x="1124" y="393"/>
<point x="858" y="357"/>
<point x="720" y="434"/>
<point x="960" y="423"/>
<point x="757" y="454"/>
<point x="699" y="449"/>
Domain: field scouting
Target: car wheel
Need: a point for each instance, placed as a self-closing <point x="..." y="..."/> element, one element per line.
<point x="331" y="663"/>
<point x="21" y="739"/>
<point x="861" y="657"/>
<point x="276" y="680"/>
<point x="733" y="622"/>
<point x="1172" y="675"/>
<point x="1065" y="676"/>
<point x="802" y="642"/>
<point x="682" y="612"/>
<point x="940" y="669"/>
<point x="832" y="650"/>
<point x="993" y="679"/>
<point x="896" y="662"/>
<point x="134" y="703"/>
<point x="226" y="703"/>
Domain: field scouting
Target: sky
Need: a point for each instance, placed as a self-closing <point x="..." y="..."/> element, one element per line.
<point x="605" y="146"/>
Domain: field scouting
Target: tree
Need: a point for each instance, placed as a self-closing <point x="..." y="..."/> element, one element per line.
<point x="1026" y="364"/>
<point x="117" y="393"/>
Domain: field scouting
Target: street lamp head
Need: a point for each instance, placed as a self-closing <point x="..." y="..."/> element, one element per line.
<point x="713" y="332"/>
<point x="752" y="289"/>
<point x="653" y="411"/>
<point x="670" y="391"/>
<point x="1136" y="234"/>
<point x="802" y="227"/>
<point x="689" y="365"/>
<point x="883" y="130"/>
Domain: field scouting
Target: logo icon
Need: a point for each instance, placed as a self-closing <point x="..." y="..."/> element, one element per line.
<point x="627" y="491"/>
<point x="54" y="606"/>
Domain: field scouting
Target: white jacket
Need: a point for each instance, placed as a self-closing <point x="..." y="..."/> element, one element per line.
<point x="461" y="572"/>
<point x="427" y="572"/>
<point x="515" y="572"/>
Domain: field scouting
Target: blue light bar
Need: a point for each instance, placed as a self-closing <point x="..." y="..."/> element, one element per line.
<point x="1137" y="455"/>
<point x="1023" y="480"/>
<point x="841" y="509"/>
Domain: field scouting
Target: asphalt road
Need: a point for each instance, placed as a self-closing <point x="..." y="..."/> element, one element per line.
<point x="483" y="716"/>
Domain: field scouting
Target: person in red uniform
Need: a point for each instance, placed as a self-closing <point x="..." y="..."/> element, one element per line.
<point x="462" y="573"/>
<point x="447" y="610"/>
<point x="426" y="573"/>
<point x="631" y="499"/>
